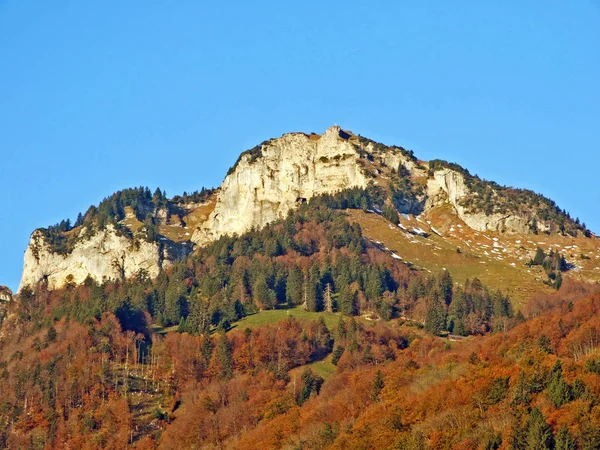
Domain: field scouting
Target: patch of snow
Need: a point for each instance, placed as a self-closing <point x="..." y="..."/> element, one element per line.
<point x="459" y="225"/>
<point x="419" y="231"/>
<point x="187" y="234"/>
<point x="405" y="216"/>
<point x="518" y="242"/>
<point x="402" y="226"/>
<point x="395" y="256"/>
<point x="436" y="231"/>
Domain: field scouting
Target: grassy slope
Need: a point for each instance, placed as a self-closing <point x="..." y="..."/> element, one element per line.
<point x="275" y="315"/>
<point x="503" y="267"/>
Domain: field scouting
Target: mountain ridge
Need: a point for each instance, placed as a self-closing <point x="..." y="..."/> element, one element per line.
<point x="264" y="185"/>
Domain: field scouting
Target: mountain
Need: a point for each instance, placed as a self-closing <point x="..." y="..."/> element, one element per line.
<point x="334" y="292"/>
<point x="136" y="232"/>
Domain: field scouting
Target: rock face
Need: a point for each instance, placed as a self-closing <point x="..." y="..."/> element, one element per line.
<point x="105" y="255"/>
<point x="290" y="170"/>
<point x="5" y="294"/>
<point x="452" y="184"/>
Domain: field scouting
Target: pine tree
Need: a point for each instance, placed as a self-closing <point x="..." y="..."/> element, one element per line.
<point x="539" y="433"/>
<point x="435" y="319"/>
<point x="518" y="436"/>
<point x="445" y="287"/>
<point x="559" y="392"/>
<point x="378" y="384"/>
<point x="348" y="302"/>
<point x="558" y="281"/>
<point x="539" y="257"/>
<point x="337" y="354"/>
<point x="224" y="357"/>
<point x="294" y="286"/>
<point x="564" y="440"/>
<point x="340" y="333"/>
<point x="522" y="392"/>
<point x="264" y="298"/>
<point x="175" y="301"/>
<point x="589" y="438"/>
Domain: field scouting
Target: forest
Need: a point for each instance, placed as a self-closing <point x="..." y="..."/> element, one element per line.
<point x="370" y="353"/>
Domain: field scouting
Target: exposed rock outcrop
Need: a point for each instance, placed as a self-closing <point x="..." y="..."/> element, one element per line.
<point x="453" y="185"/>
<point x="6" y="294"/>
<point x="288" y="171"/>
<point x="104" y="255"/>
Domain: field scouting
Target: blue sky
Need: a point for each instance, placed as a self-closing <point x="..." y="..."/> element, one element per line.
<point x="97" y="96"/>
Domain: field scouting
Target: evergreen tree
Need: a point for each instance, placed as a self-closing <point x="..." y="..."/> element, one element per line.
<point x="337" y="354"/>
<point x="445" y="287"/>
<point x="340" y="333"/>
<point x="559" y="392"/>
<point x="224" y="357"/>
<point x="539" y="257"/>
<point x="589" y="438"/>
<point x="518" y="436"/>
<point x="373" y="284"/>
<point x="378" y="384"/>
<point x="539" y="433"/>
<point x="435" y="319"/>
<point x="564" y="440"/>
<point x="348" y="302"/>
<point x="175" y="301"/>
<point x="264" y="298"/>
<point x="294" y="286"/>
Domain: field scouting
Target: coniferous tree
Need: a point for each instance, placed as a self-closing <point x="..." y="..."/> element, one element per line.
<point x="559" y="392"/>
<point x="264" y="298"/>
<point x="564" y="440"/>
<point x="539" y="433"/>
<point x="445" y="285"/>
<point x="294" y="286"/>
<point x="518" y="435"/>
<point x="224" y="357"/>
<point x="435" y="320"/>
<point x="175" y="301"/>
<point x="378" y="384"/>
<point x="348" y="301"/>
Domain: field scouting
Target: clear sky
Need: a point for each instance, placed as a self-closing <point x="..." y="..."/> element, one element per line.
<point x="96" y="96"/>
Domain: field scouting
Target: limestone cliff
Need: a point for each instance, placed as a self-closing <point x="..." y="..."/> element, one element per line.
<point x="5" y="294"/>
<point x="456" y="191"/>
<point x="267" y="183"/>
<point x="105" y="254"/>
